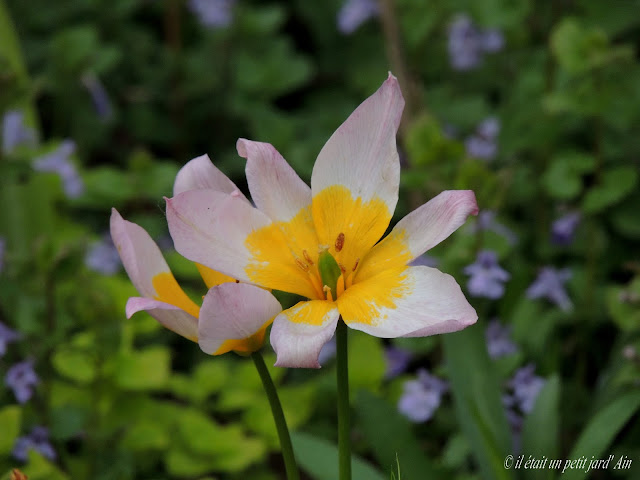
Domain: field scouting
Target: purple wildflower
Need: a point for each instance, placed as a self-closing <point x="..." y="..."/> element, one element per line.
<point x="498" y="338"/>
<point x="99" y="95"/>
<point x="486" y="221"/>
<point x="482" y="144"/>
<point x="327" y="352"/>
<point x="550" y="285"/>
<point x="564" y="228"/>
<point x="103" y="257"/>
<point x="421" y="397"/>
<point x="467" y="44"/>
<point x="14" y="131"/>
<point x="354" y="13"/>
<point x="213" y="13"/>
<point x="526" y="386"/>
<point x="58" y="162"/>
<point x="37" y="440"/>
<point x="486" y="276"/>
<point x="7" y="336"/>
<point x="397" y="361"/>
<point x="21" y="378"/>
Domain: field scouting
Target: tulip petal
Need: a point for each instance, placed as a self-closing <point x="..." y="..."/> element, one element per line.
<point x="170" y="316"/>
<point x="356" y="176"/>
<point x="275" y="187"/>
<point x="298" y="334"/>
<point x="420" y="231"/>
<point x="200" y="173"/>
<point x="224" y="233"/>
<point x="146" y="266"/>
<point x="405" y="302"/>
<point x="235" y="316"/>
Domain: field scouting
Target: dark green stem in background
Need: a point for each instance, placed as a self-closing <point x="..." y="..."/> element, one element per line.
<point x="344" y="427"/>
<point x="278" y="417"/>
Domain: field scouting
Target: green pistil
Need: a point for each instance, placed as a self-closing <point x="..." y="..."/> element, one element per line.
<point x="329" y="271"/>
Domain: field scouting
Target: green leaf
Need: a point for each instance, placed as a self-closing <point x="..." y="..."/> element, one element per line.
<point x="74" y="364"/>
<point x="39" y="468"/>
<point x="541" y="428"/>
<point x="477" y="397"/>
<point x="602" y="430"/>
<point x="616" y="184"/>
<point x="144" y="370"/>
<point x="390" y="436"/>
<point x="575" y="47"/>
<point x="563" y="178"/>
<point x="10" y="420"/>
<point x="319" y="459"/>
<point x="367" y="364"/>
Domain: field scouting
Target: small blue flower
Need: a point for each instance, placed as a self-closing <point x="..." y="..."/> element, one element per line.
<point x="467" y="44"/>
<point x="564" y="228"/>
<point x="15" y="132"/>
<point x="99" y="95"/>
<point x="482" y="144"/>
<point x="354" y="13"/>
<point x="397" y="361"/>
<point x="58" y="162"/>
<point x="7" y="336"/>
<point x="421" y="397"/>
<point x="498" y="338"/>
<point x="213" y="13"/>
<point x="103" y="257"/>
<point x="486" y="276"/>
<point x="526" y="386"/>
<point x="486" y="221"/>
<point x="550" y="285"/>
<point x="21" y="378"/>
<point x="37" y="440"/>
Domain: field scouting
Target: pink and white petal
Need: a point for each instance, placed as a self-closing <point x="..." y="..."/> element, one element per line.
<point x="275" y="187"/>
<point x="408" y="301"/>
<point x="235" y="312"/>
<point x="140" y="255"/>
<point x="170" y="316"/>
<point x="362" y="155"/>
<point x="211" y="228"/>
<point x="200" y="173"/>
<point x="298" y="334"/>
<point x="421" y="230"/>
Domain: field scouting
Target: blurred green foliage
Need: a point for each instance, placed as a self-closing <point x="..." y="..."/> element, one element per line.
<point x="126" y="399"/>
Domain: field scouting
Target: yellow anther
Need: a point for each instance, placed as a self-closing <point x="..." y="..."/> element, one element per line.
<point x="339" y="242"/>
<point x="327" y="290"/>
<point x="302" y="265"/>
<point x="307" y="257"/>
<point x="340" y="286"/>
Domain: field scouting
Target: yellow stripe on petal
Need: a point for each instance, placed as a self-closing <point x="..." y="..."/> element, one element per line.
<point x="392" y="252"/>
<point x="313" y="312"/>
<point x="278" y="255"/>
<point x="212" y="277"/>
<point x="348" y="226"/>
<point x="168" y="291"/>
<point x="245" y="346"/>
<point x="365" y="302"/>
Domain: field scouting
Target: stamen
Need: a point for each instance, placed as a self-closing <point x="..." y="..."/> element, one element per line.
<point x="356" y="265"/>
<point x="344" y="270"/>
<point x="307" y="257"/>
<point x="237" y="281"/>
<point x="349" y="281"/>
<point x="339" y="242"/>
<point x="302" y="265"/>
<point x="317" y="286"/>
<point x="340" y="286"/>
<point x="327" y="290"/>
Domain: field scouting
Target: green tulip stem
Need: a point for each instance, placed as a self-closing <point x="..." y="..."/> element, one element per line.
<point x="344" y="427"/>
<point x="278" y="416"/>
